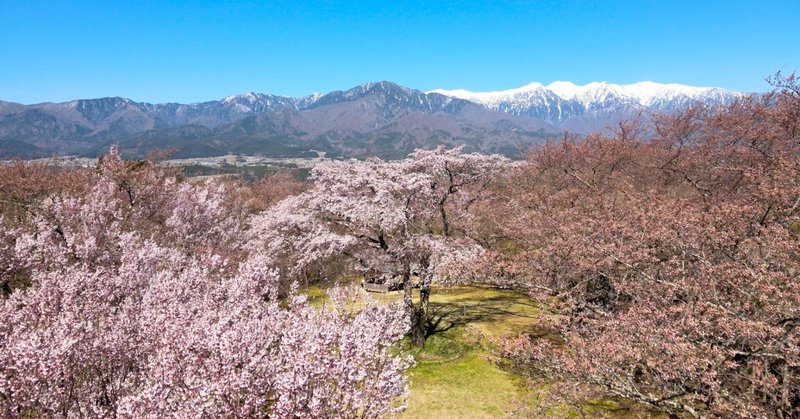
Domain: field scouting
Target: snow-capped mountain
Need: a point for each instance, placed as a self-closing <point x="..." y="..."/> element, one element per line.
<point x="380" y="118"/>
<point x="561" y="101"/>
<point x="372" y="119"/>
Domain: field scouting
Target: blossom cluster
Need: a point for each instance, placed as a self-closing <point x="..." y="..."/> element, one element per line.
<point x="142" y="298"/>
<point x="671" y="263"/>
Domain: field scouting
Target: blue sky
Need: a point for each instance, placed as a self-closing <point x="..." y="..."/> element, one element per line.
<point x="194" y="50"/>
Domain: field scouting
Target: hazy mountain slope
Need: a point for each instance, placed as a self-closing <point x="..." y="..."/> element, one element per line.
<point x="380" y="118"/>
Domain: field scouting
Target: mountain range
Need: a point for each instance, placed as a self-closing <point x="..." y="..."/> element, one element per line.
<point x="593" y="106"/>
<point x="374" y="119"/>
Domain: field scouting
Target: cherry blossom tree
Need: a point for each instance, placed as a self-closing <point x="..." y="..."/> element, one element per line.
<point x="391" y="218"/>
<point x="670" y="266"/>
<point x="269" y="190"/>
<point x="141" y="300"/>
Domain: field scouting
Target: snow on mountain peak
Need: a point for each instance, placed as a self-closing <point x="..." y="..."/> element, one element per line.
<point x="647" y="91"/>
<point x="561" y="100"/>
<point x="565" y="89"/>
<point x="248" y="96"/>
<point x="488" y="95"/>
<point x="493" y="99"/>
<point x="590" y="95"/>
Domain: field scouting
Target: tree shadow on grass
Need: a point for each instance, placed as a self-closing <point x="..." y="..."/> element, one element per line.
<point x="498" y="297"/>
<point x="444" y="316"/>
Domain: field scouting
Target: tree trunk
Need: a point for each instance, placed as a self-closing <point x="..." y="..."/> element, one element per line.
<point x="417" y="319"/>
<point x="418" y="329"/>
<point x="408" y="301"/>
<point x="419" y="326"/>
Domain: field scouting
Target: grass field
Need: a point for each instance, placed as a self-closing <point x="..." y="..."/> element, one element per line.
<point x="456" y="375"/>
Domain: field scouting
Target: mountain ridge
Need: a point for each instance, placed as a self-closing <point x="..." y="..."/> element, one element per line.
<point x="561" y="100"/>
<point x="376" y="118"/>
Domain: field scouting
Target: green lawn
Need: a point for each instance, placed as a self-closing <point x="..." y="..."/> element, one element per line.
<point x="456" y="375"/>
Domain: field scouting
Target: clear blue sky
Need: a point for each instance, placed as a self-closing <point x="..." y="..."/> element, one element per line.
<point x="195" y="50"/>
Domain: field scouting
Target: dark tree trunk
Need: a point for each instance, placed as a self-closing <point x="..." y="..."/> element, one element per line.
<point x="419" y="314"/>
<point x="418" y="319"/>
<point x="420" y="329"/>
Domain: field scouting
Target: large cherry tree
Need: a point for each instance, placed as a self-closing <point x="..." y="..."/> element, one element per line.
<point x="390" y="218"/>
